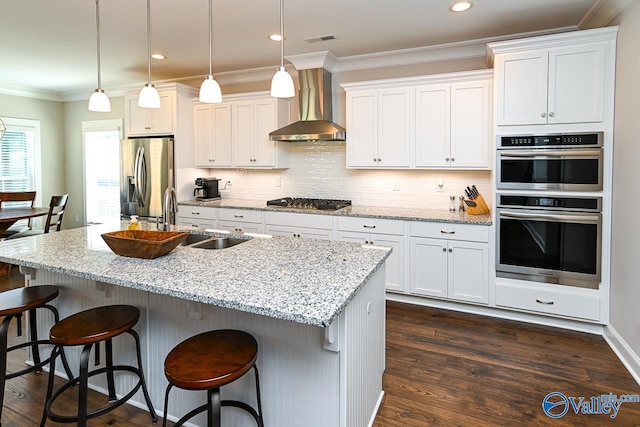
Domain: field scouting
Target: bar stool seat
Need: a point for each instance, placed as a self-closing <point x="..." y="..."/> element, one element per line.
<point x="89" y="328"/>
<point x="12" y="304"/>
<point x="207" y="362"/>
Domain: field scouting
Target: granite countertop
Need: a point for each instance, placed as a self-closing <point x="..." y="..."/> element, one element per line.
<point x="302" y="280"/>
<point x="407" y="214"/>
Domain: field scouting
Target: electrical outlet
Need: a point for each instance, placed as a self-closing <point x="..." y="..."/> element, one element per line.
<point x="278" y="181"/>
<point x="77" y="218"/>
<point x="396" y="186"/>
<point x="440" y="188"/>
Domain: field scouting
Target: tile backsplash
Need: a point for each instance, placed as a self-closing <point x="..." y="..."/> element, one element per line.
<point x="318" y="170"/>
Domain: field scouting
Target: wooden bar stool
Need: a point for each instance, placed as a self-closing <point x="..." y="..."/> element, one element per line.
<point x="12" y="304"/>
<point x="207" y="362"/>
<point x="89" y="328"/>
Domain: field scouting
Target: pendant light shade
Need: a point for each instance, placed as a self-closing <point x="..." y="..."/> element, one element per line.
<point x="210" y="89"/>
<point x="282" y="83"/>
<point x="99" y="101"/>
<point x="149" y="96"/>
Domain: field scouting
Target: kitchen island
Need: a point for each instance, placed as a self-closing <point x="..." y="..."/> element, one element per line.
<point x="315" y="307"/>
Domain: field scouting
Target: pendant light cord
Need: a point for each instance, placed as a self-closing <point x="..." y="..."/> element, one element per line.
<point x="210" y="39"/>
<point x="98" y="40"/>
<point x="282" y="33"/>
<point x="149" y="40"/>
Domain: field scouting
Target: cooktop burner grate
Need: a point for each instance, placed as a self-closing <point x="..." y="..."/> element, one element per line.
<point x="306" y="203"/>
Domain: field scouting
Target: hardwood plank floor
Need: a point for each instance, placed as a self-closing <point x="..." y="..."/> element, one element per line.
<point x="443" y="368"/>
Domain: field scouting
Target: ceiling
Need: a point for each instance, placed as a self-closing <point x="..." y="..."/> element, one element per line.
<point x="50" y="45"/>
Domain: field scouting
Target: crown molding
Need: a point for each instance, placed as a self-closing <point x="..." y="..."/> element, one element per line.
<point x="27" y="92"/>
<point x="602" y="12"/>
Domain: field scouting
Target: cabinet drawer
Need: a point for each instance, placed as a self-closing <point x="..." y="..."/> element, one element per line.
<point x="441" y="230"/>
<point x="371" y="225"/>
<point x="196" y="212"/>
<point x="569" y="302"/>
<point x="239" y="215"/>
<point x="322" y="222"/>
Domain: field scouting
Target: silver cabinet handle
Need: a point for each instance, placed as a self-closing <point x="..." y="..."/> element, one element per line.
<point x="447" y="232"/>
<point x="544" y="302"/>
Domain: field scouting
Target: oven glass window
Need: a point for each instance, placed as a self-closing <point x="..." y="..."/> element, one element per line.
<point x="571" y="247"/>
<point x="549" y="171"/>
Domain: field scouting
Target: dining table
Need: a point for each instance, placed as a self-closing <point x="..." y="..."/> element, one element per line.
<point x="10" y="215"/>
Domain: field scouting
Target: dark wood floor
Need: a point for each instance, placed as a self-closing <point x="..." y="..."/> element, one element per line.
<point x="443" y="368"/>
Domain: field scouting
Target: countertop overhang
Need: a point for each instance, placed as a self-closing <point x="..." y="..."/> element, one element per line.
<point x="406" y="214"/>
<point x="301" y="280"/>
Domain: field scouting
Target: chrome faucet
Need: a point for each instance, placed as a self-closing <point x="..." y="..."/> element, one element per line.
<point x="169" y="208"/>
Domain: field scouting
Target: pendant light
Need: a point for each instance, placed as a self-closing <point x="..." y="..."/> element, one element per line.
<point x="282" y="83"/>
<point x="149" y="96"/>
<point x="210" y="89"/>
<point x="99" y="101"/>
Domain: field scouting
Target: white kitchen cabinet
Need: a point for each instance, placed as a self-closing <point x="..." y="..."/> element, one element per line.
<point x="379" y="232"/>
<point x="449" y="261"/>
<point x="379" y="128"/>
<point x="252" y="120"/>
<point x="197" y="216"/>
<point x="453" y="125"/>
<point x="313" y="226"/>
<point x="241" y="220"/>
<point x="212" y="135"/>
<point x="557" y="79"/>
<point x="151" y="121"/>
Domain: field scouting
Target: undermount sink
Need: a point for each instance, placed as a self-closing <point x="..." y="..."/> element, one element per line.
<point x="200" y="241"/>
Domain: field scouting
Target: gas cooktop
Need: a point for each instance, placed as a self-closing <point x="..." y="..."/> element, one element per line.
<point x="304" y="203"/>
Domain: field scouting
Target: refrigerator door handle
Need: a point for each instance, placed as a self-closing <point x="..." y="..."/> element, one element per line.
<point x="140" y="173"/>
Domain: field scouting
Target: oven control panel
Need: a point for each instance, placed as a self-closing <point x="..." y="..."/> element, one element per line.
<point x="584" y="204"/>
<point x="551" y="141"/>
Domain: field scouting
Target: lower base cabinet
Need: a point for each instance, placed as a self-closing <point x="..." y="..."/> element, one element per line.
<point x="240" y="220"/>
<point x="197" y="216"/>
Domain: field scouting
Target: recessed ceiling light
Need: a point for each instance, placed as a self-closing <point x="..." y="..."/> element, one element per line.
<point x="158" y="56"/>
<point x="461" y="6"/>
<point x="275" y="37"/>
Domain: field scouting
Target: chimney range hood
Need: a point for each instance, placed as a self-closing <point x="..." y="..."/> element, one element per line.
<point x="315" y="122"/>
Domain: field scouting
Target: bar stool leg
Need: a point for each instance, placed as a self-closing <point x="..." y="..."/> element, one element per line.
<point x="260" y="419"/>
<point x="213" y="412"/>
<point x="166" y="404"/>
<point x="154" y="417"/>
<point x="110" y="381"/>
<point x="4" y="327"/>
<point x="52" y="369"/>
<point x="84" y="385"/>
<point x="33" y="336"/>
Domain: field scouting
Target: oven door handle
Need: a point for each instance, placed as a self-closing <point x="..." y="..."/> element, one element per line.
<point x="586" y="219"/>
<point x="549" y="153"/>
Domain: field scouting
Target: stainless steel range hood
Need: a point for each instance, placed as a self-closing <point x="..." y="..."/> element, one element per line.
<point x="315" y="111"/>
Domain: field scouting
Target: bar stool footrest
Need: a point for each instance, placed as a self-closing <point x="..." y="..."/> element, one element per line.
<point x="112" y="404"/>
<point x="36" y="367"/>
<point x="206" y="406"/>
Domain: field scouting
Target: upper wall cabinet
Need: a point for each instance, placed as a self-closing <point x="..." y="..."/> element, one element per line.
<point x="157" y="121"/>
<point x="235" y="133"/>
<point x="438" y="122"/>
<point x="556" y="79"/>
<point x="452" y="125"/>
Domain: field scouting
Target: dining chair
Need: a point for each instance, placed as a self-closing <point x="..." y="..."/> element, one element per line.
<point x="57" y="207"/>
<point x="17" y="198"/>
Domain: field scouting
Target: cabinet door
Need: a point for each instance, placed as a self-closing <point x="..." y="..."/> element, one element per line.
<point x="521" y="91"/>
<point x="395" y="265"/>
<point x="468" y="274"/>
<point x="395" y="136"/>
<point x="162" y="118"/>
<point x="265" y="122"/>
<point x="243" y="134"/>
<point x="221" y="135"/>
<point x="428" y="267"/>
<point x="137" y="118"/>
<point x="202" y="135"/>
<point x="362" y="138"/>
<point x="470" y="125"/>
<point x="432" y="126"/>
<point x="576" y="84"/>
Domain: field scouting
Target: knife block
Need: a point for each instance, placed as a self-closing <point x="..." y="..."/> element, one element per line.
<point x="480" y="208"/>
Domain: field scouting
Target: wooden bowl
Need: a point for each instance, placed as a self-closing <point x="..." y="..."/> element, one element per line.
<point x="146" y="244"/>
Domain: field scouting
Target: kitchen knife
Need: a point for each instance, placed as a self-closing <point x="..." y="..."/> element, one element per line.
<point x="467" y="192"/>
<point x="474" y="191"/>
<point x="470" y="203"/>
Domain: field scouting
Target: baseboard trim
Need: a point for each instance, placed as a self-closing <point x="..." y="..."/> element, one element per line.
<point x="376" y="409"/>
<point x="625" y="353"/>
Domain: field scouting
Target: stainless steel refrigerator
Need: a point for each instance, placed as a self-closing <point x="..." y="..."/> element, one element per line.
<point x="147" y="169"/>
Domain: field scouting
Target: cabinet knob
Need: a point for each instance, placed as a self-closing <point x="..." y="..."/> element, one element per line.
<point x="371" y="242"/>
<point x="544" y="115"/>
<point x="379" y="159"/>
<point x="366" y="242"/>
<point x="444" y="249"/>
<point x="375" y="160"/>
<point x="453" y="159"/>
<point x="551" y="114"/>
<point x="450" y="250"/>
<point x="212" y="160"/>
<point x="446" y="160"/>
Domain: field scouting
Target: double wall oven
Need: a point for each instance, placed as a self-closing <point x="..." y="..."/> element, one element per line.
<point x="549" y="208"/>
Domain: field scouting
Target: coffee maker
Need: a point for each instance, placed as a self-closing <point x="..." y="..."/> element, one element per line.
<point x="207" y="189"/>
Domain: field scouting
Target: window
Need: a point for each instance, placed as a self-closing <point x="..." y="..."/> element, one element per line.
<point x="19" y="151"/>
<point x="102" y="170"/>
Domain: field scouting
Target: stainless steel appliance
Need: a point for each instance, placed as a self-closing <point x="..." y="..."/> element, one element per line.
<point x="307" y="203"/>
<point x="552" y="239"/>
<point x="567" y="162"/>
<point x="147" y="170"/>
<point x="207" y="189"/>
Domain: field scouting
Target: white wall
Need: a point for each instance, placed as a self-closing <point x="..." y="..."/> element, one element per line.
<point x="625" y="253"/>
